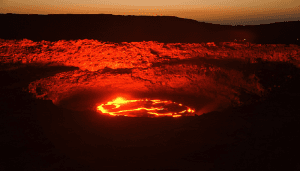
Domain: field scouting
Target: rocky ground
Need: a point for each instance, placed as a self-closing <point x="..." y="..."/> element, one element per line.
<point x="226" y="74"/>
<point x="245" y="93"/>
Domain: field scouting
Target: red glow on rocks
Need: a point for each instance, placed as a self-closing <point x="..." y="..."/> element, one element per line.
<point x="220" y="73"/>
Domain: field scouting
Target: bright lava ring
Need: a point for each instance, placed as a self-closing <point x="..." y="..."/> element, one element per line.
<point x="144" y="108"/>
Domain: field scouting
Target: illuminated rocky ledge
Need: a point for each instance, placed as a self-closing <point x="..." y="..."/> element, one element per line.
<point x="94" y="55"/>
<point x="204" y="77"/>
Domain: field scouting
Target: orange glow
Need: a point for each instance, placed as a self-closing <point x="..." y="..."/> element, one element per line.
<point x="144" y="107"/>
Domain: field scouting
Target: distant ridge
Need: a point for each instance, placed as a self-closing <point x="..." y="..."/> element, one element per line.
<point x="118" y="28"/>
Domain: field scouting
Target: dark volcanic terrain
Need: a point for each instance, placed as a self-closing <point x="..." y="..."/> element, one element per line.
<point x="54" y="74"/>
<point x="117" y="28"/>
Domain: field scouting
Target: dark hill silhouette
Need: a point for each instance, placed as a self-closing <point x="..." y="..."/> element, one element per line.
<point x="117" y="28"/>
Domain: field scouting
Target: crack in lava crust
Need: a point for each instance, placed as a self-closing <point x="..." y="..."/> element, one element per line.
<point x="144" y="108"/>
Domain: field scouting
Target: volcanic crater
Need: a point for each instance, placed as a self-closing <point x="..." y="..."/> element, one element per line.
<point x="206" y="77"/>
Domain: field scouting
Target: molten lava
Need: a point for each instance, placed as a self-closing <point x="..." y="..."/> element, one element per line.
<point x="144" y="108"/>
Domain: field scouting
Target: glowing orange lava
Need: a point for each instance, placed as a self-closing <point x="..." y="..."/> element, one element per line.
<point x="144" y="108"/>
